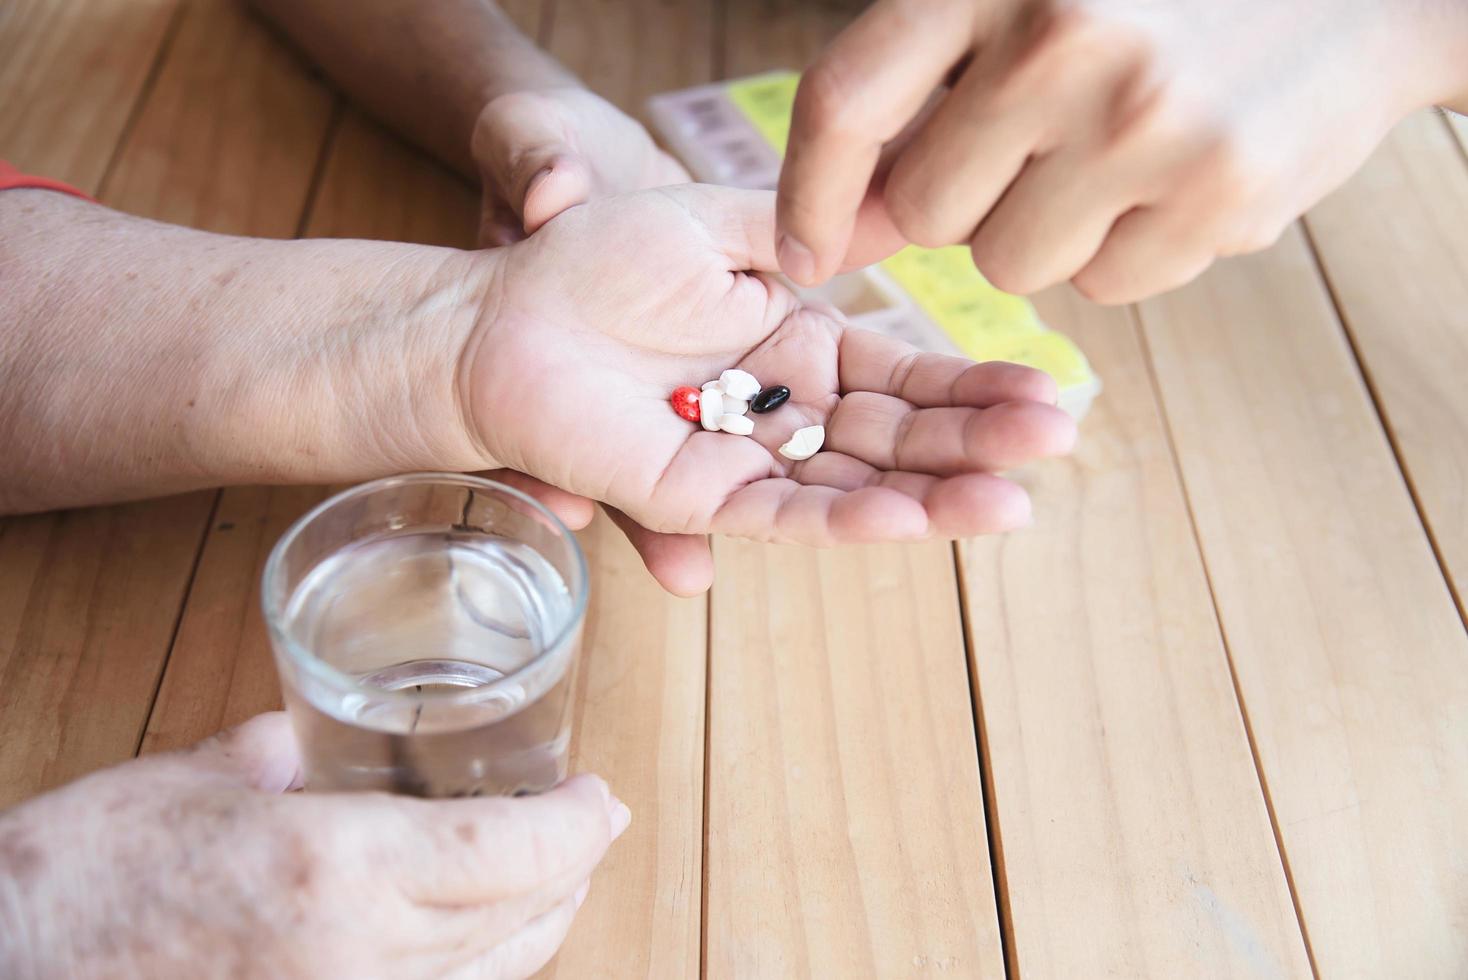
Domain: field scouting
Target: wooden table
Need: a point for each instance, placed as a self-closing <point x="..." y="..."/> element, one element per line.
<point x="1209" y="717"/>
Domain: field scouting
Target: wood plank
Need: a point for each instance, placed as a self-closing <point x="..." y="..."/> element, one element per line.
<point x="1134" y="833"/>
<point x="230" y="135"/>
<point x="93" y="596"/>
<point x="71" y="71"/>
<point x="88" y="602"/>
<point x="845" y="818"/>
<point x="1394" y="246"/>
<point x="1347" y="647"/>
<point x="846" y="831"/>
<point x="627" y="50"/>
<point x="640" y="723"/>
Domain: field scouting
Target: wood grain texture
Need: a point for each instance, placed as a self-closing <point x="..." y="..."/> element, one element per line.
<point x="88" y="602"/>
<point x="845" y="818"/>
<point x="102" y="598"/>
<point x="1348" y="650"/>
<point x="627" y="50"/>
<point x="1134" y="834"/>
<point x="71" y="72"/>
<point x="230" y="134"/>
<point x="639" y="722"/>
<point x="1393" y="248"/>
<point x="846" y="831"/>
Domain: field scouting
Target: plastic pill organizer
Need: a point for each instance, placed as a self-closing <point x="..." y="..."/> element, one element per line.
<point x="734" y="133"/>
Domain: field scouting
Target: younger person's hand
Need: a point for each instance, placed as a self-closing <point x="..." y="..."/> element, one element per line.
<point x="542" y="150"/>
<point x="596" y="318"/>
<point x="197" y="864"/>
<point x="1123" y="146"/>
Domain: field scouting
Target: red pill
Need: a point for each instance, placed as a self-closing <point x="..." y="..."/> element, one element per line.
<point x="685" y="402"/>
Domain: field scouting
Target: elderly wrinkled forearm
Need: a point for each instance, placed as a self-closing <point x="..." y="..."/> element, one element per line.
<point x="139" y="358"/>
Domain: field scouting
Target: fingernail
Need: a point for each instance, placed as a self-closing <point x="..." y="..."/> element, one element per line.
<point x="581" y="892"/>
<point x="796" y="260"/>
<point x="540" y="175"/>
<point x="621" y="817"/>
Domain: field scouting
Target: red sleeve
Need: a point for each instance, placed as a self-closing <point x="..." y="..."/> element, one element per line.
<point x="11" y="178"/>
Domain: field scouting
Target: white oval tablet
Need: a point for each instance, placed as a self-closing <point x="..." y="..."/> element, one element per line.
<point x="735" y="406"/>
<point x="805" y="443"/>
<point x="739" y="384"/>
<point x="739" y="425"/>
<point x="710" y="409"/>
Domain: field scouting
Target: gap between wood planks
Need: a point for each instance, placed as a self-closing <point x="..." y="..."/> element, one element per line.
<point x="1383" y="416"/>
<point x="1135" y="317"/>
<point x="998" y="872"/>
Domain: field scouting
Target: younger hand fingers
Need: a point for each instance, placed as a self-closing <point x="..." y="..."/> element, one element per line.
<point x="1148" y="251"/>
<point x="890" y="434"/>
<point x="859" y="94"/>
<point x="872" y="362"/>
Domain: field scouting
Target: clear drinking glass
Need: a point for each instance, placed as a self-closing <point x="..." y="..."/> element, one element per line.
<point x="426" y="629"/>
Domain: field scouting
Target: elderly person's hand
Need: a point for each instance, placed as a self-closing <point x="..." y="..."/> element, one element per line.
<point x="198" y="864"/>
<point x="1120" y="145"/>
<point x="143" y="358"/>
<point x="541" y="151"/>
<point x="596" y="318"/>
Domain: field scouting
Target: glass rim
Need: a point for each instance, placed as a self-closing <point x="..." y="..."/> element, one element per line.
<point x="272" y="591"/>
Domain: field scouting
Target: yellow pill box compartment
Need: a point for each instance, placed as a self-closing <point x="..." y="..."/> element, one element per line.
<point x="734" y="133"/>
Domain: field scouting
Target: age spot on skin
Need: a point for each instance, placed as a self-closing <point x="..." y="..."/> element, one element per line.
<point x="20" y="858"/>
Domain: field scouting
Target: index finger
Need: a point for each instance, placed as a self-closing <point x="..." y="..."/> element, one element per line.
<point x="492" y="849"/>
<point x="858" y="94"/>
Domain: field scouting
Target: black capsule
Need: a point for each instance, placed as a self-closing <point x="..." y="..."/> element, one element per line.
<point x="770" y="399"/>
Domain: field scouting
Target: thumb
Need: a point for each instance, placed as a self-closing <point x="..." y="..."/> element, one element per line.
<point x="563" y="182"/>
<point x="262" y="753"/>
<point x="681" y="563"/>
<point x="740" y="223"/>
<point x="525" y="153"/>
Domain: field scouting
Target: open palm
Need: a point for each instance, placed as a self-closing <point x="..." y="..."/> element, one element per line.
<point x="615" y="303"/>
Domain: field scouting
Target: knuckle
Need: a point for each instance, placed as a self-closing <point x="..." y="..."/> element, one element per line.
<point x="824" y="104"/>
<point x="912" y="211"/>
<point x="1233" y="169"/>
<point x="1102" y="287"/>
<point x="1000" y="265"/>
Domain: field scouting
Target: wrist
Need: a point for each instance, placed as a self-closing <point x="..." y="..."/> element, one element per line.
<point x="360" y="380"/>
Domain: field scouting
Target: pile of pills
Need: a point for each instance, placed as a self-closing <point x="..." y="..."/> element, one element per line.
<point x="724" y="406"/>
